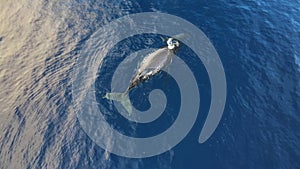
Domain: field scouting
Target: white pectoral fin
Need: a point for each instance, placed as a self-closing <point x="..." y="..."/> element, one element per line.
<point x="123" y="98"/>
<point x="162" y="38"/>
<point x="181" y="36"/>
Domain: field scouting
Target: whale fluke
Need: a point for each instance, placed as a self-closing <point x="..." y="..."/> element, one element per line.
<point x="123" y="98"/>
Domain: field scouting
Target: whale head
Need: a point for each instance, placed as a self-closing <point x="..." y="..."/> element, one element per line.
<point x="172" y="43"/>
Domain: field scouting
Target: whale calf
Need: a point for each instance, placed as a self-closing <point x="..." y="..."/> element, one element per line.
<point x="150" y="66"/>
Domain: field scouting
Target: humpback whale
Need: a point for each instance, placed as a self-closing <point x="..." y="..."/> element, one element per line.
<point x="150" y="66"/>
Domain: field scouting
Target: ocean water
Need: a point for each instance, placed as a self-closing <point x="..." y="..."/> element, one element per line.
<point x="258" y="43"/>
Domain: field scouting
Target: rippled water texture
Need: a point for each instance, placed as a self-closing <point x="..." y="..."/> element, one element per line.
<point x="258" y="43"/>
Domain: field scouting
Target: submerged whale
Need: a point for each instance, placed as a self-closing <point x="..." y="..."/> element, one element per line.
<point x="150" y="66"/>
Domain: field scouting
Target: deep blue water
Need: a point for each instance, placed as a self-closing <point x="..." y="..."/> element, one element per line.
<point x="258" y="43"/>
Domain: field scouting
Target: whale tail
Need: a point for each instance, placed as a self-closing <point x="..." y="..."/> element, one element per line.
<point x="123" y="98"/>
